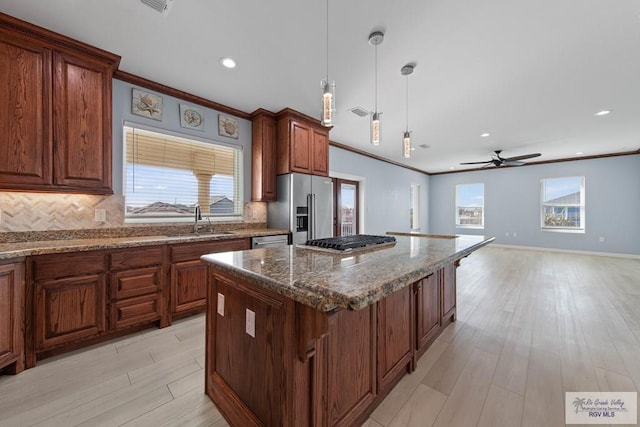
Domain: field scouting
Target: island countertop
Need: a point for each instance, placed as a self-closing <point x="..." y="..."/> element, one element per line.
<point x="327" y="281"/>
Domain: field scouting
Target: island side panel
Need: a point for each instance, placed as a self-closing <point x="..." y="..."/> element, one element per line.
<point x="261" y="380"/>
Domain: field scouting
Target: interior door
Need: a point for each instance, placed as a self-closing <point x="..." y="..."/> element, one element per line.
<point x="346" y="207"/>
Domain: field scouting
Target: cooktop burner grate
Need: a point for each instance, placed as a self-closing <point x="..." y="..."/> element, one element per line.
<point x="345" y="243"/>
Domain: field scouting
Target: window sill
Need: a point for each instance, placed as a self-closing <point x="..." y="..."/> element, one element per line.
<point x="475" y="227"/>
<point x="564" y="230"/>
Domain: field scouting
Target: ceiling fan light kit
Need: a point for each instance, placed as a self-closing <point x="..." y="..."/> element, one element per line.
<point x="497" y="160"/>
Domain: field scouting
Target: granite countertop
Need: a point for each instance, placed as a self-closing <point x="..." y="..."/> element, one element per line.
<point x="327" y="281"/>
<point x="43" y="247"/>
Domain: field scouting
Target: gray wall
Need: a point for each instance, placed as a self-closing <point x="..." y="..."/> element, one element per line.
<point x="385" y="190"/>
<point x="171" y="121"/>
<point x="512" y="204"/>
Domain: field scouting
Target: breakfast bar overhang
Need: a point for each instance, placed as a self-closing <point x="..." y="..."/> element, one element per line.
<point x="303" y="337"/>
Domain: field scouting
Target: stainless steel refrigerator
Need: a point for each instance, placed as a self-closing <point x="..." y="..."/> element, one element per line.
<point x="304" y="206"/>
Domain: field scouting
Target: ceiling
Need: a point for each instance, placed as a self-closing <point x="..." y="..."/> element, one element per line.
<point x="532" y="74"/>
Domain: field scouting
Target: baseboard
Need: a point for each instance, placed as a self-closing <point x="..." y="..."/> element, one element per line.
<point x="569" y="251"/>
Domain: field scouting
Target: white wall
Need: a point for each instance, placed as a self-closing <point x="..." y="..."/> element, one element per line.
<point x="512" y="204"/>
<point x="385" y="188"/>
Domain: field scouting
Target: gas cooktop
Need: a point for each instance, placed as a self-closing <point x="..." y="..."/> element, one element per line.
<point x="348" y="243"/>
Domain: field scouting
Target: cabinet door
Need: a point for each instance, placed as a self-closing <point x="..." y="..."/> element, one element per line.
<point x="448" y="292"/>
<point x="351" y="365"/>
<point x="300" y="149"/>
<point x="188" y="286"/>
<point x="69" y="309"/>
<point x="25" y="114"/>
<point x="82" y="124"/>
<point x="264" y="159"/>
<point x="395" y="335"/>
<point x="12" y="316"/>
<point x="320" y="154"/>
<point x="427" y="310"/>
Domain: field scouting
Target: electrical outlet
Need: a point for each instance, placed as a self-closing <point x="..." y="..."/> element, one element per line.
<point x="220" y="304"/>
<point x="254" y="215"/>
<point x="515" y="234"/>
<point x="101" y="215"/>
<point x="251" y="323"/>
<point x="506" y="234"/>
<point x="601" y="239"/>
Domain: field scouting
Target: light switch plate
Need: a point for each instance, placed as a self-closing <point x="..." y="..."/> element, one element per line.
<point x="220" y="304"/>
<point x="251" y="323"/>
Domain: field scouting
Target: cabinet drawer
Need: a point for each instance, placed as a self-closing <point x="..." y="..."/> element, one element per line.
<point x="131" y="258"/>
<point x="133" y="283"/>
<point x="192" y="251"/>
<point x="67" y="265"/>
<point x="135" y="310"/>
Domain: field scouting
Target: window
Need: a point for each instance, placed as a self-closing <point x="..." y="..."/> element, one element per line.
<point x="563" y="204"/>
<point x="414" y="210"/>
<point x="167" y="175"/>
<point x="470" y="205"/>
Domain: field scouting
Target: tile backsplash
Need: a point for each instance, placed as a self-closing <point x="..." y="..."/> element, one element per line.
<point x="42" y="211"/>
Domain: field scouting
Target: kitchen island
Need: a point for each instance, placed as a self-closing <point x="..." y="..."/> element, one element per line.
<point x="301" y="337"/>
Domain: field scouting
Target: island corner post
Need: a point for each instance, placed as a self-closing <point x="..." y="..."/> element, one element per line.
<point x="275" y="361"/>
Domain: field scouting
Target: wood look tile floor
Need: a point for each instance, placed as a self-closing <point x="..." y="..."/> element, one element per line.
<point x="531" y="325"/>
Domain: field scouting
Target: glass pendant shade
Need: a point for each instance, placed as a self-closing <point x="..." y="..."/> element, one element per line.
<point x="375" y="128"/>
<point x="406" y="145"/>
<point x="328" y="102"/>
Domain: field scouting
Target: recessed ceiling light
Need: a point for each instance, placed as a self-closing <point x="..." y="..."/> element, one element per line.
<point x="228" y="62"/>
<point x="452" y="168"/>
<point x="579" y="153"/>
<point x="602" y="113"/>
<point x="484" y="135"/>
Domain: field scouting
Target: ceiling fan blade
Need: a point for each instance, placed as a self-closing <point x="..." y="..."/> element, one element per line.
<point x="514" y="163"/>
<point x="523" y="157"/>
<point x="476" y="163"/>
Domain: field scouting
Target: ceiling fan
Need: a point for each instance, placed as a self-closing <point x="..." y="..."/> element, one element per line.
<point x="497" y="160"/>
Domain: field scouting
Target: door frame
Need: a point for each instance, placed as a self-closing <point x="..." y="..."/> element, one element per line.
<point x="337" y="204"/>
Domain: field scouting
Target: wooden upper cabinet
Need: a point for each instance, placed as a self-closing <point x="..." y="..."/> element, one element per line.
<point x="303" y="144"/>
<point x="55" y="114"/>
<point x="82" y="123"/>
<point x="25" y="113"/>
<point x="263" y="154"/>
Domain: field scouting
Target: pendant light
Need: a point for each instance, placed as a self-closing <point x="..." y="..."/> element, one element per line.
<point x="375" y="39"/>
<point x="328" y="89"/>
<point x="406" y="138"/>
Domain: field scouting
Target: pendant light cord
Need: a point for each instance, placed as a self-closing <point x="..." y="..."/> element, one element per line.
<point x="376" y="79"/>
<point x="327" y="41"/>
<point x="407" y="102"/>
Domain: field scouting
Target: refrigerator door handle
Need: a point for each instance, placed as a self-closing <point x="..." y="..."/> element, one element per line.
<point x="310" y="217"/>
<point x="313" y="217"/>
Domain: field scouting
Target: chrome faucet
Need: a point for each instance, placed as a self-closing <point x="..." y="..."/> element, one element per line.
<point x="198" y="217"/>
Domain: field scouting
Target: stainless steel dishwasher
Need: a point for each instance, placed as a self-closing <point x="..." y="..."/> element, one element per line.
<point x="269" y="241"/>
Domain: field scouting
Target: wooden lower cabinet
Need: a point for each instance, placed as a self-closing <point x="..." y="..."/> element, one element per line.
<point x="189" y="274"/>
<point x="428" y="310"/>
<point x="395" y="336"/>
<point x="448" y="280"/>
<point x="69" y="309"/>
<point x="302" y="367"/>
<point x="136" y="287"/>
<point x="12" y="316"/>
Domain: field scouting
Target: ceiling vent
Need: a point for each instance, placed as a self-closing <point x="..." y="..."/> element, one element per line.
<point x="161" y="6"/>
<point x="425" y="146"/>
<point x="359" y="111"/>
